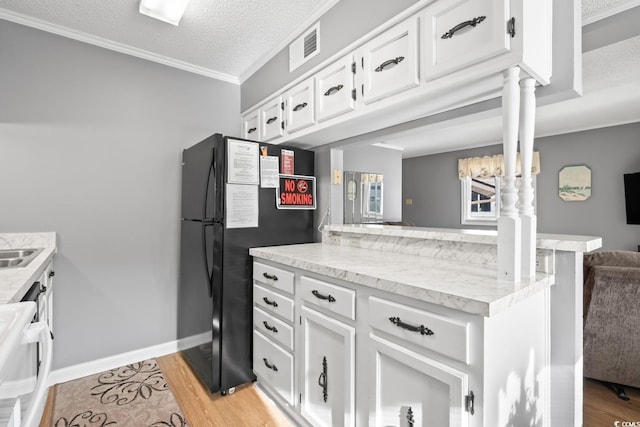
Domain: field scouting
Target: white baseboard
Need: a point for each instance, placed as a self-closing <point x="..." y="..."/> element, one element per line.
<point x="100" y="365"/>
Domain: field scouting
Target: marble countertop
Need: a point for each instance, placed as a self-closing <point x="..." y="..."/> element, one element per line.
<point x="560" y="242"/>
<point x="461" y="286"/>
<point x="15" y="282"/>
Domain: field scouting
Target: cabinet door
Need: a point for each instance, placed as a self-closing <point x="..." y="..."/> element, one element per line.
<point x="412" y="390"/>
<point x="335" y="89"/>
<point x="300" y="106"/>
<point x="327" y="371"/>
<point x="271" y="123"/>
<point x="251" y="126"/>
<point x="389" y="62"/>
<point x="460" y="33"/>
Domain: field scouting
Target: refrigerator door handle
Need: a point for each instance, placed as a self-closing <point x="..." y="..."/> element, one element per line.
<point x="210" y="172"/>
<point x="206" y="257"/>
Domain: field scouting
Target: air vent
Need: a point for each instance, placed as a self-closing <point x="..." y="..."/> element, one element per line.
<point x="304" y="47"/>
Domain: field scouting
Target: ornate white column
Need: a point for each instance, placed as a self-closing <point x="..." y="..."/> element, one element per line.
<point x="527" y="213"/>
<point x="509" y="231"/>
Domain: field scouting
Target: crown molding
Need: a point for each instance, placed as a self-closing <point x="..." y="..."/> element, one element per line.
<point x="111" y="45"/>
<point x="287" y="40"/>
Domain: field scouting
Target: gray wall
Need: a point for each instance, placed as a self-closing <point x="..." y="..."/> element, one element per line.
<point x="387" y="162"/>
<point x="91" y="142"/>
<point x="432" y="183"/>
<point x="340" y="26"/>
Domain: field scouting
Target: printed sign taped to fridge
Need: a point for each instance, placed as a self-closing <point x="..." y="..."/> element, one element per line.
<point x="296" y="192"/>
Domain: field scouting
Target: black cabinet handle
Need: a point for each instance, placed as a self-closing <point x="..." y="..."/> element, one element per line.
<point x="322" y="380"/>
<point x="410" y="419"/>
<point x="269" y="327"/>
<point x="299" y="106"/>
<point x="470" y="23"/>
<point x="422" y="329"/>
<point x="389" y="64"/>
<point x="269" y="302"/>
<point x="333" y="90"/>
<point x="52" y="273"/>
<point x="271" y="120"/>
<point x="252" y="130"/>
<point x="274" y="368"/>
<point x="329" y="297"/>
<point x="270" y="276"/>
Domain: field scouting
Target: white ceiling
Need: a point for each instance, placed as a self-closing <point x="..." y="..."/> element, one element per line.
<point x="224" y="39"/>
<point x="230" y="39"/>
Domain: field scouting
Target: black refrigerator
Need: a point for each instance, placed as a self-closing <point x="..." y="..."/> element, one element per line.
<point x="215" y="286"/>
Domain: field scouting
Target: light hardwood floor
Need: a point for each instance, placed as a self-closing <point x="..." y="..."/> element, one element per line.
<point x="249" y="407"/>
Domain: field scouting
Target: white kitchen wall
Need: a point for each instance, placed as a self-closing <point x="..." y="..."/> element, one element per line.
<point x="90" y="147"/>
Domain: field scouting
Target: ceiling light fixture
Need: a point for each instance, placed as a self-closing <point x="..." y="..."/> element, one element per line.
<point x="169" y="11"/>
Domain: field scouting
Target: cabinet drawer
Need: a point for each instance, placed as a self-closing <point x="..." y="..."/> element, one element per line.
<point x="390" y="62"/>
<point x="273" y="365"/>
<point x="276" y="277"/>
<point x="271" y="123"/>
<point x="435" y="332"/>
<point x="334" y="298"/>
<point x="300" y="106"/>
<point x="273" y="303"/>
<point x="460" y="33"/>
<point x="334" y="89"/>
<point x="273" y="328"/>
<point x="251" y="126"/>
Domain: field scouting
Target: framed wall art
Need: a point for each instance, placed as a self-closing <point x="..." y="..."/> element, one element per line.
<point x="574" y="183"/>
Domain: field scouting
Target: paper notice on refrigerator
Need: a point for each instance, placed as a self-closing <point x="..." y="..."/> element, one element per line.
<point x="288" y="161"/>
<point x="269" y="172"/>
<point x="242" y="162"/>
<point x="242" y="206"/>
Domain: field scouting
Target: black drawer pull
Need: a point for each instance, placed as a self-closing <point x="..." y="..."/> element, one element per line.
<point x="299" y="106"/>
<point x="270" y="276"/>
<point x="269" y="327"/>
<point x="252" y="130"/>
<point x="333" y="90"/>
<point x="422" y="329"/>
<point x="271" y="120"/>
<point x="389" y="64"/>
<point x="274" y="368"/>
<point x="269" y="302"/>
<point x="329" y="297"/>
<point x="471" y="23"/>
<point x="322" y="380"/>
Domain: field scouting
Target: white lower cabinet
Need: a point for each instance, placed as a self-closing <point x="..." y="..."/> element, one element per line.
<point x="328" y="370"/>
<point x="410" y="389"/>
<point x="336" y="353"/>
<point x="273" y="365"/>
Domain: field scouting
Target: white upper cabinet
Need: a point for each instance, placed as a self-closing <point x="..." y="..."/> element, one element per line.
<point x="459" y="33"/>
<point x="251" y="125"/>
<point x="300" y="106"/>
<point x="389" y="62"/>
<point x="335" y="93"/>
<point x="271" y="122"/>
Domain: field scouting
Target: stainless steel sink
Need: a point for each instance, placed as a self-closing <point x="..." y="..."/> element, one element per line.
<point x="10" y="258"/>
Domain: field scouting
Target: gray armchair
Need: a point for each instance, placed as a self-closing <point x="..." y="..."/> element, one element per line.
<point x="612" y="318"/>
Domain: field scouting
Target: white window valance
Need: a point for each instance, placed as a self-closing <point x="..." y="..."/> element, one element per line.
<point x="483" y="167"/>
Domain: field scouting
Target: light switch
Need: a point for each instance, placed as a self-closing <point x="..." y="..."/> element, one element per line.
<point x="337" y="177"/>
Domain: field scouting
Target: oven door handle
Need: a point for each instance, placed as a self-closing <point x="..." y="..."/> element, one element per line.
<point x="39" y="332"/>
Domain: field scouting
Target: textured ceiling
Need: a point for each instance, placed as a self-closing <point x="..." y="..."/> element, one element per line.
<point x="221" y="38"/>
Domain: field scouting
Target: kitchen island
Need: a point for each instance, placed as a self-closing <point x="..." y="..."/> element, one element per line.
<point x="412" y="324"/>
